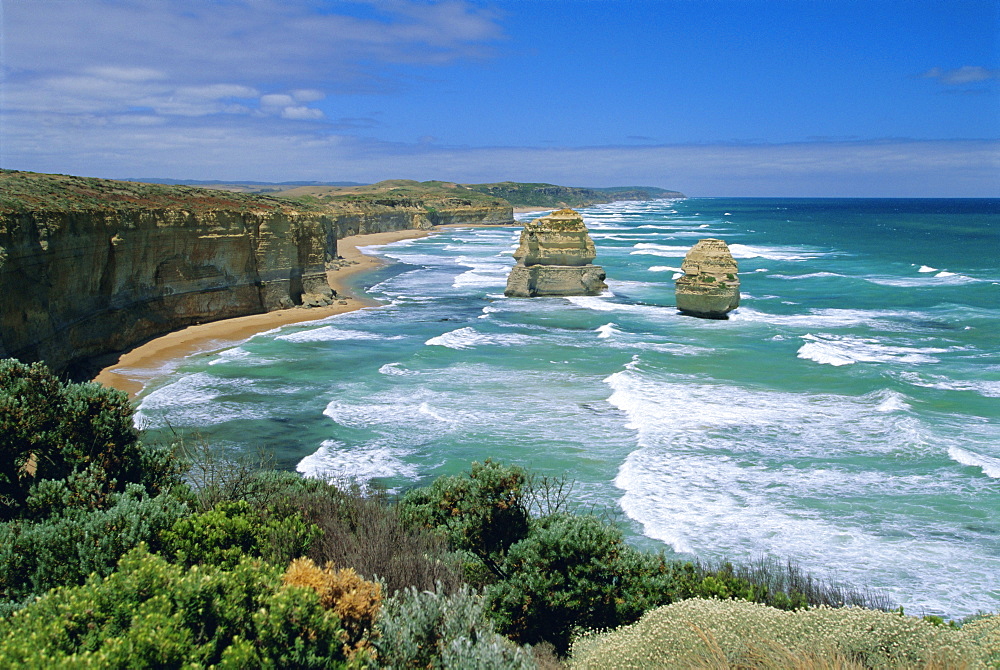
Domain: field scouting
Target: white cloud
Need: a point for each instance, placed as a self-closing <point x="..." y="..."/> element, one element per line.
<point x="196" y="42"/>
<point x="126" y="73"/>
<point x="135" y="60"/>
<point x="247" y="147"/>
<point x="967" y="74"/>
<point x="307" y="95"/>
<point x="276" y="100"/>
<point x="217" y="91"/>
<point x="301" y="113"/>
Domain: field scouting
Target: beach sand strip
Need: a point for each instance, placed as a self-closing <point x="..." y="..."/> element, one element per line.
<point x="158" y="356"/>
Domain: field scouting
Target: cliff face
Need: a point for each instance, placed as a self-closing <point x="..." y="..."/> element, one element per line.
<point x="389" y="214"/>
<point x="74" y="285"/>
<point x="92" y="266"/>
<point x="555" y="258"/>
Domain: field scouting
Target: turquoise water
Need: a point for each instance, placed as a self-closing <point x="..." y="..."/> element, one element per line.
<point x="846" y="416"/>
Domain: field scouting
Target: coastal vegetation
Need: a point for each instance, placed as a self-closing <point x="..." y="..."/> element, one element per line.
<point x="551" y="196"/>
<point x="516" y="194"/>
<point x="35" y="192"/>
<point x="118" y="553"/>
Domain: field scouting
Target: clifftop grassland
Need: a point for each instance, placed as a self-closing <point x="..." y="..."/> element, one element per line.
<point x="35" y="192"/>
<point x="433" y="195"/>
<point x="441" y="193"/>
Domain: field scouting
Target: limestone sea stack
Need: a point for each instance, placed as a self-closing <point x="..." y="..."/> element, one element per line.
<point x="555" y="258"/>
<point x="709" y="287"/>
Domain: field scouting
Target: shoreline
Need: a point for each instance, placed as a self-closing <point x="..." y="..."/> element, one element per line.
<point x="138" y="366"/>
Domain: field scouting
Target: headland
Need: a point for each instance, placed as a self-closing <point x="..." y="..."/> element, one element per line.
<point x="91" y="268"/>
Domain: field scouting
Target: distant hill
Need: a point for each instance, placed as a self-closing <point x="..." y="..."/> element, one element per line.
<point x="518" y="194"/>
<point x="550" y="195"/>
<point x="392" y="192"/>
<point x="244" y="186"/>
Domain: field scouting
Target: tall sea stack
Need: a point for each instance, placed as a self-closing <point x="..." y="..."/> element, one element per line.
<point x="710" y="286"/>
<point x="555" y="258"/>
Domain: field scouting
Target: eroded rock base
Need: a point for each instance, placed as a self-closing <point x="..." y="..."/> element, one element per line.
<point x="555" y="280"/>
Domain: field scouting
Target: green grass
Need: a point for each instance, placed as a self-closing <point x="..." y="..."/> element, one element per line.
<point x="33" y="191"/>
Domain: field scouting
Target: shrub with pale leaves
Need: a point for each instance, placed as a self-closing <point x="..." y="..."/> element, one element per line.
<point x="732" y="633"/>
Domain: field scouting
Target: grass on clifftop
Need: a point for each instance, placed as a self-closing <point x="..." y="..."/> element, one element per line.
<point x="394" y="193"/>
<point x="33" y="191"/>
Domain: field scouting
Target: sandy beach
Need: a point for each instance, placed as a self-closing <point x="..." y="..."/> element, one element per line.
<point x="137" y="366"/>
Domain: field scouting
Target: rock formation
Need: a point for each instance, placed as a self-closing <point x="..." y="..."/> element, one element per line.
<point x="555" y="258"/>
<point x="710" y="286"/>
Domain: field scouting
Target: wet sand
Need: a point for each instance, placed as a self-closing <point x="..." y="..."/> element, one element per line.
<point x="158" y="356"/>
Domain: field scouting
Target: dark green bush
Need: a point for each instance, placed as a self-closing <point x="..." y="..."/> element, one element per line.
<point x="234" y="530"/>
<point x="49" y="430"/>
<point x="573" y="571"/>
<point x="482" y="512"/>
<point x="67" y="546"/>
<point x="151" y="613"/>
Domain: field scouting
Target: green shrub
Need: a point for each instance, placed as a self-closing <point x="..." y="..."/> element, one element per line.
<point x="786" y="586"/>
<point x="151" y="613"/>
<point x="431" y="629"/>
<point x="232" y="530"/>
<point x="64" y="548"/>
<point x="734" y="633"/>
<point x="482" y="512"/>
<point x="574" y="571"/>
<point x="49" y="430"/>
<point x="216" y="475"/>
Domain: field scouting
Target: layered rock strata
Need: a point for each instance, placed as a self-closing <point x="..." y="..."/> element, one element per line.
<point x="74" y="285"/>
<point x="92" y="266"/>
<point x="555" y="258"/>
<point x="710" y="285"/>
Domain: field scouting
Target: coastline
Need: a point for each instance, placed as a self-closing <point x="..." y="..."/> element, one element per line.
<point x="137" y="366"/>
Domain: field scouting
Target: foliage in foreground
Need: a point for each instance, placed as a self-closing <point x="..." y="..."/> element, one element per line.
<point x="470" y="559"/>
<point x="73" y="543"/>
<point x="722" y="634"/>
<point x="50" y="430"/>
<point x="432" y="629"/>
<point x="551" y="573"/>
<point x="151" y="613"/>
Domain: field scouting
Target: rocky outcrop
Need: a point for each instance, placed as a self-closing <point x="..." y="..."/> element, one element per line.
<point x="77" y="284"/>
<point x="710" y="285"/>
<point x="555" y="258"/>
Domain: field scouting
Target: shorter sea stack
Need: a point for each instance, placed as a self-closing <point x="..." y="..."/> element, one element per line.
<point x="555" y="258"/>
<point x="709" y="287"/>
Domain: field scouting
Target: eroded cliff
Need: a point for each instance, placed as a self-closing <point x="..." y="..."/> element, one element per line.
<point x="91" y="266"/>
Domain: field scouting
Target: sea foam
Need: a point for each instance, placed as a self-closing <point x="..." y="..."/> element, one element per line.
<point x="467" y="338"/>
<point x="334" y="334"/>
<point x="839" y="350"/>
<point x="989" y="465"/>
<point x="337" y="463"/>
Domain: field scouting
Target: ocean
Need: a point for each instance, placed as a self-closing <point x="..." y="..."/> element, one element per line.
<point x="846" y="416"/>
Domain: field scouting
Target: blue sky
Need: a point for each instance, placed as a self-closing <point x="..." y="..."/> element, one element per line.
<point x="710" y="97"/>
